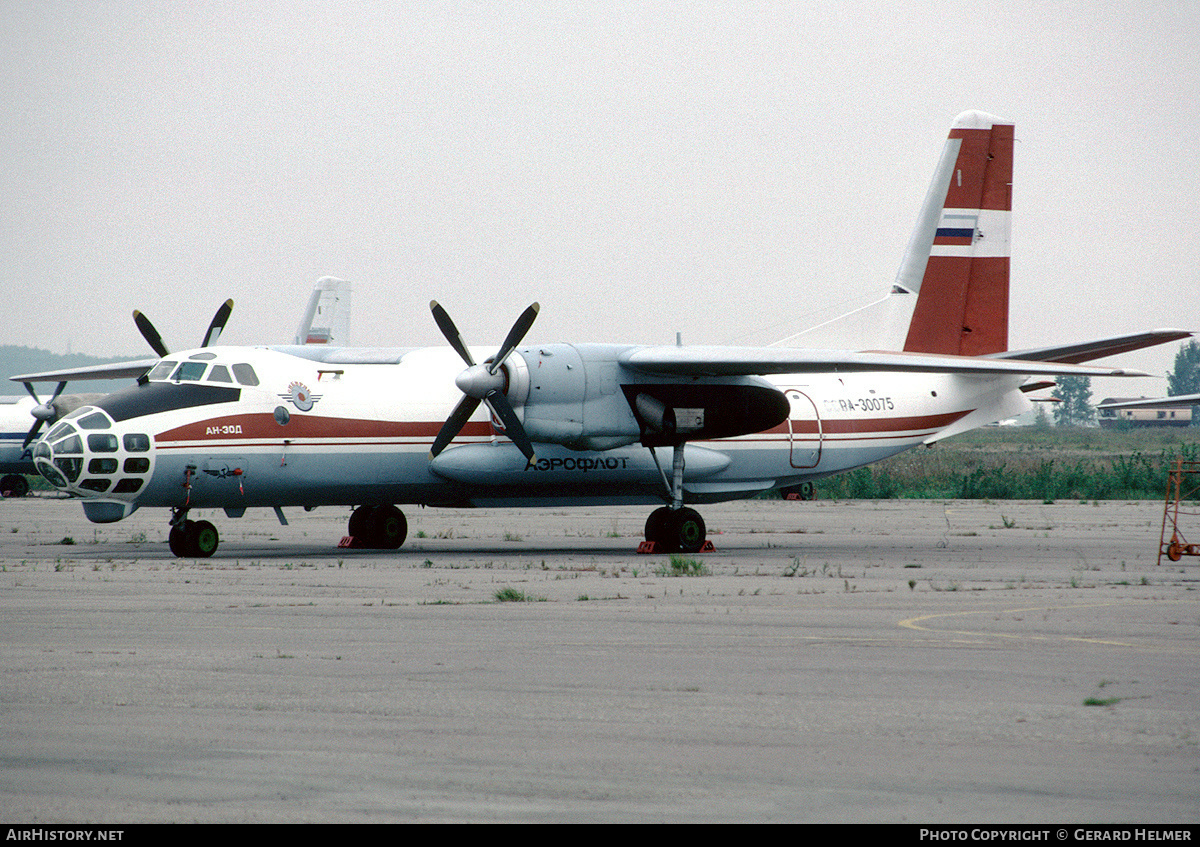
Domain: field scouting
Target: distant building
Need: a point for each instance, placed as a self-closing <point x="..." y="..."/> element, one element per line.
<point x="1148" y="415"/>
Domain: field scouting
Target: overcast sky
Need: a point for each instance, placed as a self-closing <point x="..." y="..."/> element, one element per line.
<point x="723" y="170"/>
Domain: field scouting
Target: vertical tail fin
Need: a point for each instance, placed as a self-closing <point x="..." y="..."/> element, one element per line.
<point x="957" y="260"/>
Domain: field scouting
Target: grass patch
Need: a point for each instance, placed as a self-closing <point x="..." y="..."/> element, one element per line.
<point x="1024" y="463"/>
<point x="508" y="594"/>
<point x="679" y="565"/>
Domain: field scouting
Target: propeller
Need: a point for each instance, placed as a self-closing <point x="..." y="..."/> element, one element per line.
<point x="483" y="383"/>
<point x="210" y="337"/>
<point x="42" y="412"/>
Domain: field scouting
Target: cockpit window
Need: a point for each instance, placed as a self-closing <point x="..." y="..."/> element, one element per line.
<point x="136" y="442"/>
<point x="96" y="420"/>
<point x="162" y="370"/>
<point x="245" y="374"/>
<point x="58" y="431"/>
<point x="189" y="372"/>
<point x="219" y="373"/>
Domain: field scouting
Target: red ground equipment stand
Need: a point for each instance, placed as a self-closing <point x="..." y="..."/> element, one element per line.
<point x="1183" y="486"/>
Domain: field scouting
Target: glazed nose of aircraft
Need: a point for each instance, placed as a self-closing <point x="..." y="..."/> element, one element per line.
<point x="86" y="454"/>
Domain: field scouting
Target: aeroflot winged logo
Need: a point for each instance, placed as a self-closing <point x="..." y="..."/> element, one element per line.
<point x="300" y="397"/>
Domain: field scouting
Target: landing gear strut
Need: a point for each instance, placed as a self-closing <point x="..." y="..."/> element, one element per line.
<point x="675" y="528"/>
<point x="196" y="539"/>
<point x="378" y="527"/>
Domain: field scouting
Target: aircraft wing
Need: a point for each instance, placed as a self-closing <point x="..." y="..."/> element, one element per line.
<point x="752" y="361"/>
<point x="1089" y="350"/>
<point x="114" y="370"/>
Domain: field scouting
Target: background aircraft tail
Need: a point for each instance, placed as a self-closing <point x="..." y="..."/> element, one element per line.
<point x="957" y="261"/>
<point x="326" y="319"/>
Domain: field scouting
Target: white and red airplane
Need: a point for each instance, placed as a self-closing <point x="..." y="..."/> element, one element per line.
<point x="573" y="424"/>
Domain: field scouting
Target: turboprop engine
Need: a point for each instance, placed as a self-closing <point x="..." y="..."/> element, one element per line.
<point x="582" y="397"/>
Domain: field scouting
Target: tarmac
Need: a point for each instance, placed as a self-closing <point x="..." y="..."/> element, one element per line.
<point x="869" y="661"/>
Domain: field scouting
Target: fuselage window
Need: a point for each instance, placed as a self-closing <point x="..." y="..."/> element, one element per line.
<point x="98" y="485"/>
<point x="137" y="464"/>
<point x="102" y="442"/>
<point x="219" y="373"/>
<point x="127" y="486"/>
<point x="70" y="467"/>
<point x="162" y="370"/>
<point x="189" y="371"/>
<point x="136" y="442"/>
<point x="102" y="466"/>
<point x="245" y="374"/>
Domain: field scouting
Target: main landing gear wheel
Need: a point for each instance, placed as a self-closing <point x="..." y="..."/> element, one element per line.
<point x="378" y="527"/>
<point x="676" y="530"/>
<point x="14" y="485"/>
<point x="196" y="539"/>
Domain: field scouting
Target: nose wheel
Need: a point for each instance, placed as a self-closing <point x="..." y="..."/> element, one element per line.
<point x="193" y="539"/>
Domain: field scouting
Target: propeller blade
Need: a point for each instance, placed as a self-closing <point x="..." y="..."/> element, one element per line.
<point x="33" y="431"/>
<point x="524" y="322"/>
<point x="150" y="334"/>
<point x="513" y="427"/>
<point x="454" y="424"/>
<point x="57" y="391"/>
<point x="218" y="324"/>
<point x="442" y="319"/>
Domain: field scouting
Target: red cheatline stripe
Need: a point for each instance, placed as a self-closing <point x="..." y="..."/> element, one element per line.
<point x="263" y="425"/>
<point x="251" y="430"/>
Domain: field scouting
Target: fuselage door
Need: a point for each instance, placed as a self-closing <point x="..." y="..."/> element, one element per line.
<point x="805" y="432"/>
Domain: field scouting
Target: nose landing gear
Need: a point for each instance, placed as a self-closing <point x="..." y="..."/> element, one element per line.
<point x="194" y="539"/>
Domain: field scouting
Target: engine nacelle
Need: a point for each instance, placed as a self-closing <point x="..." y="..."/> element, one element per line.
<point x="581" y="397"/>
<point x="570" y="394"/>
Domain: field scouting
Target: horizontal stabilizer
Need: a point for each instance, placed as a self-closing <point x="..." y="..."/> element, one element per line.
<point x="1089" y="350"/>
<point x="115" y="370"/>
<point x="757" y="361"/>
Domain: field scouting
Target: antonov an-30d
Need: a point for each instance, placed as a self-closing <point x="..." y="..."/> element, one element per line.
<point x="573" y="424"/>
